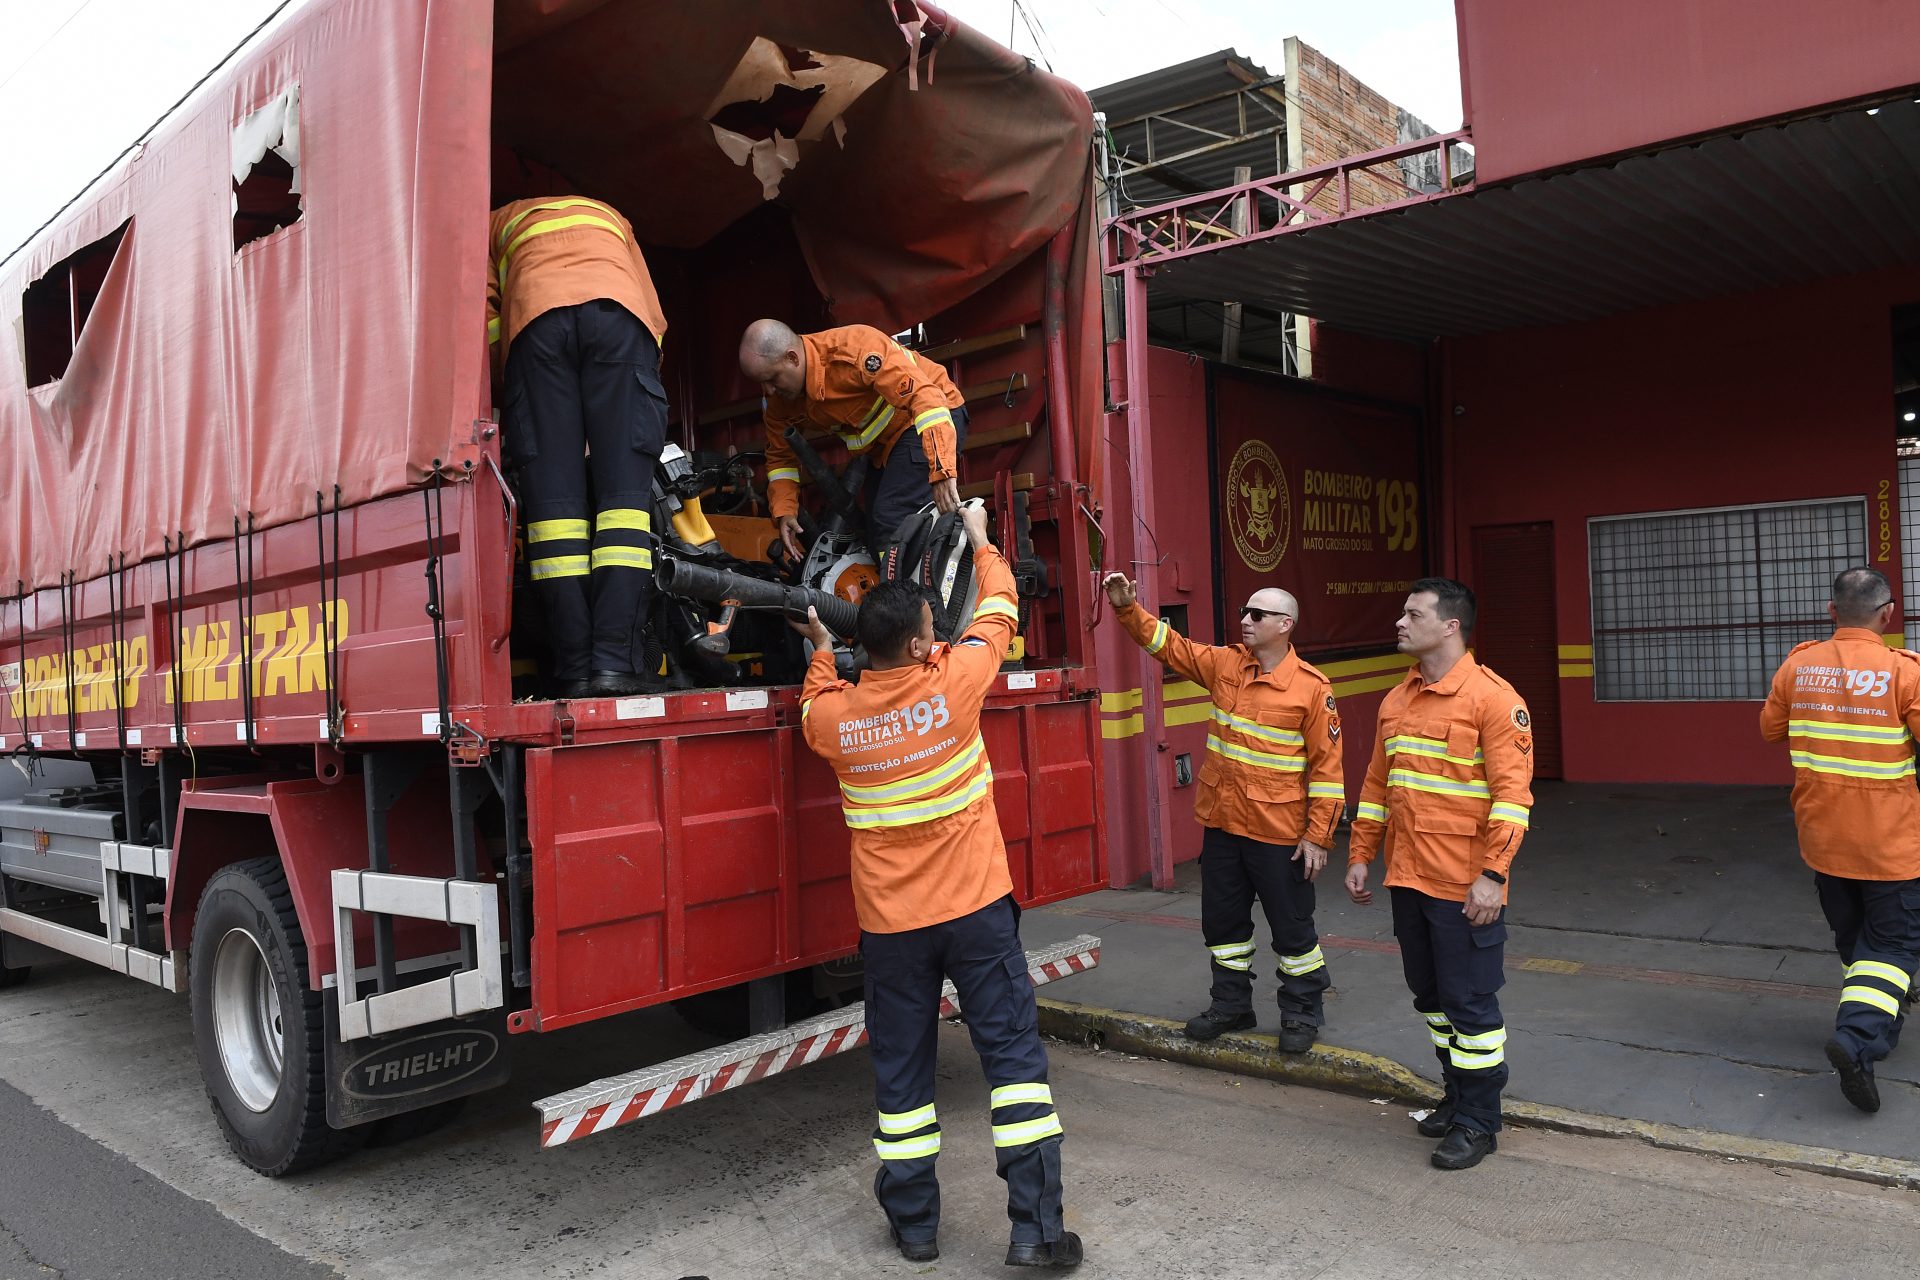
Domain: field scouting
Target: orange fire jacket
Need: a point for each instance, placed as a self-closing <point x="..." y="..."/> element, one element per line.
<point x="560" y="251"/>
<point x="1449" y="791"/>
<point x="867" y="389"/>
<point x="1849" y="709"/>
<point x="1272" y="770"/>
<point x="916" y="788"/>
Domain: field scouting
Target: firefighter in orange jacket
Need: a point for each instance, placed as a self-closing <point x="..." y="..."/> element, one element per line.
<point x="878" y="399"/>
<point x="1447" y="799"/>
<point x="1848" y="708"/>
<point x="579" y="329"/>
<point x="935" y="900"/>
<point x="1271" y="794"/>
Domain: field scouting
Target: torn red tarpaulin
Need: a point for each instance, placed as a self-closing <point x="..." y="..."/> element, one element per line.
<point x="346" y="348"/>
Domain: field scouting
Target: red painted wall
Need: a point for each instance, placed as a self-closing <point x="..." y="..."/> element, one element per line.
<point x="1549" y="84"/>
<point x="1763" y="398"/>
<point x="1180" y="541"/>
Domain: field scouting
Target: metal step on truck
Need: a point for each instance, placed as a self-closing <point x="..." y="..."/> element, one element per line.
<point x="267" y="663"/>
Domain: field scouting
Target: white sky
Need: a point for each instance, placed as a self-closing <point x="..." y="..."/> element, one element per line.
<point x="81" y="79"/>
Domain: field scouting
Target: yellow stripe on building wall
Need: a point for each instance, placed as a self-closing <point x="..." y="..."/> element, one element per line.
<point x="1580" y="651"/>
<point x="1576" y="662"/>
<point x="1898" y="639"/>
<point x="1182" y="690"/>
<point x="1126" y="700"/>
<point x="1396" y="662"/>
<point x="1125" y="727"/>
<point x="1191" y="713"/>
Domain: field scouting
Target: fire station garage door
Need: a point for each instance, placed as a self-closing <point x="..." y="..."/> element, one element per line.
<point x="1516" y="636"/>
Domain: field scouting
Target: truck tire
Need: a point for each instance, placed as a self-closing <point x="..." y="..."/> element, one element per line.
<point x="257" y="1028"/>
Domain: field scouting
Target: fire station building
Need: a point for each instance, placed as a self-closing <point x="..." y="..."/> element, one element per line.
<point x="1635" y="354"/>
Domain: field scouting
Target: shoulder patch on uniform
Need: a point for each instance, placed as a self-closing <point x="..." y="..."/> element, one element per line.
<point x="873" y="363"/>
<point x="1331" y="705"/>
<point x="1521" y="720"/>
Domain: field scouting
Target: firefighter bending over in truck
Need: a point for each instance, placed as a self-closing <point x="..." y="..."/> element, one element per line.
<point x="579" y="328"/>
<point x="935" y="901"/>
<point x="1447" y="798"/>
<point x="1848" y="708"/>
<point x="1270" y="798"/>
<point x="877" y="398"/>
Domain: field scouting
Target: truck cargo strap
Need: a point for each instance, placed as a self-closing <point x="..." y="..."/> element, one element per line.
<point x="457" y="902"/>
<point x="622" y="1099"/>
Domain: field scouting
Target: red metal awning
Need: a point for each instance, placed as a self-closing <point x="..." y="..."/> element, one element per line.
<point x="1757" y="208"/>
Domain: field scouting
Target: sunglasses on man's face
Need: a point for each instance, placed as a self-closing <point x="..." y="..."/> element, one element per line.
<point x="1260" y="615"/>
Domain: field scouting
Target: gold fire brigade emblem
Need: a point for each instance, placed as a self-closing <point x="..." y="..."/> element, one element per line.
<point x="1259" y="512"/>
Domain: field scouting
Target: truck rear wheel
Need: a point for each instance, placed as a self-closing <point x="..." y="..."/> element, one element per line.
<point x="257" y="1028"/>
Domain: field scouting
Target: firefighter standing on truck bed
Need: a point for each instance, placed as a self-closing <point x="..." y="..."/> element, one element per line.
<point x="579" y="327"/>
<point x="1271" y="794"/>
<point x="934" y="900"/>
<point x="1848" y="708"/>
<point x="877" y="398"/>
<point x="1447" y="799"/>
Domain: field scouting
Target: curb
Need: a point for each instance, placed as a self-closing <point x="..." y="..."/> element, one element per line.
<point x="1351" y="1071"/>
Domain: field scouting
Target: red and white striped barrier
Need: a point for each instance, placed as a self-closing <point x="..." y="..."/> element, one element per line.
<point x="622" y="1099"/>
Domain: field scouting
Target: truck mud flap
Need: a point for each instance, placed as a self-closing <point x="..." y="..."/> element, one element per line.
<point x="622" y="1099"/>
<point x="379" y="1076"/>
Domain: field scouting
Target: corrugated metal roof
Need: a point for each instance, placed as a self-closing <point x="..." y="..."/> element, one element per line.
<point x="1761" y="208"/>
<point x="1169" y="92"/>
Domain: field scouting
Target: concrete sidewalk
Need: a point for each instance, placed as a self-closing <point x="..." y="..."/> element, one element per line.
<point x="1666" y="963"/>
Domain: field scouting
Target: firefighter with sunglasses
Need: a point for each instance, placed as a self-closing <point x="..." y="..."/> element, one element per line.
<point x="1271" y="795"/>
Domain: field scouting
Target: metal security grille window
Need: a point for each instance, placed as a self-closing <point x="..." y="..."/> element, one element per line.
<point x="1910" y="538"/>
<point x="1702" y="606"/>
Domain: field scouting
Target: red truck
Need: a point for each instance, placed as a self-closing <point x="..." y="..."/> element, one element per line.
<point x="259" y="549"/>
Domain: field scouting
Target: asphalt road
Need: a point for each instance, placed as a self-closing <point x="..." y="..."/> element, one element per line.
<point x="110" y="1166"/>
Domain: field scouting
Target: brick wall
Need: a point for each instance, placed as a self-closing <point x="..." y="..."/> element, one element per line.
<point x="1331" y="115"/>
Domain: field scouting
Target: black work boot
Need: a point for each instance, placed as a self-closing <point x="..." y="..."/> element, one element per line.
<point x="915" y="1250"/>
<point x="1463" y="1148"/>
<point x="1856" y="1078"/>
<point x="1211" y="1022"/>
<point x="1063" y="1254"/>
<point x="623" y="684"/>
<point x="1297" y="1037"/>
<point x="1438" y="1121"/>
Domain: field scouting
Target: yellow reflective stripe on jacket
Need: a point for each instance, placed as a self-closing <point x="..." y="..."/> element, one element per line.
<point x="1022" y="1132"/>
<point x="932" y="416"/>
<point x="897" y="1122"/>
<point x="1407" y="744"/>
<point x="1842" y="766"/>
<point x="918" y="784"/>
<point x="1878" y="969"/>
<point x="784" y="473"/>
<point x="1371" y="812"/>
<point x="1414" y="780"/>
<point x="1871" y="996"/>
<point x="1285" y="737"/>
<point x="907" y="1148"/>
<point x="1158" y="640"/>
<point x="907" y="815"/>
<point x="1835" y="731"/>
<point x="554" y="530"/>
<point x="870" y="427"/>
<point x="1008" y="1094"/>
<point x="1506" y="811"/>
<point x="624" y="518"/>
<point x="996" y="606"/>
<point x="505" y="248"/>
<point x="560" y="567"/>
<point x="1327" y="790"/>
<point x="622" y="558"/>
<point x="493" y="330"/>
<point x="1259" y="759"/>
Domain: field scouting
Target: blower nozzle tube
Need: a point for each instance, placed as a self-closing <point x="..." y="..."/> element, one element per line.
<point x="699" y="582"/>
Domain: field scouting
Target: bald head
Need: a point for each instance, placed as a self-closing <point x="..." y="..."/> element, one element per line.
<point x="772" y="355"/>
<point x="1274" y="600"/>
